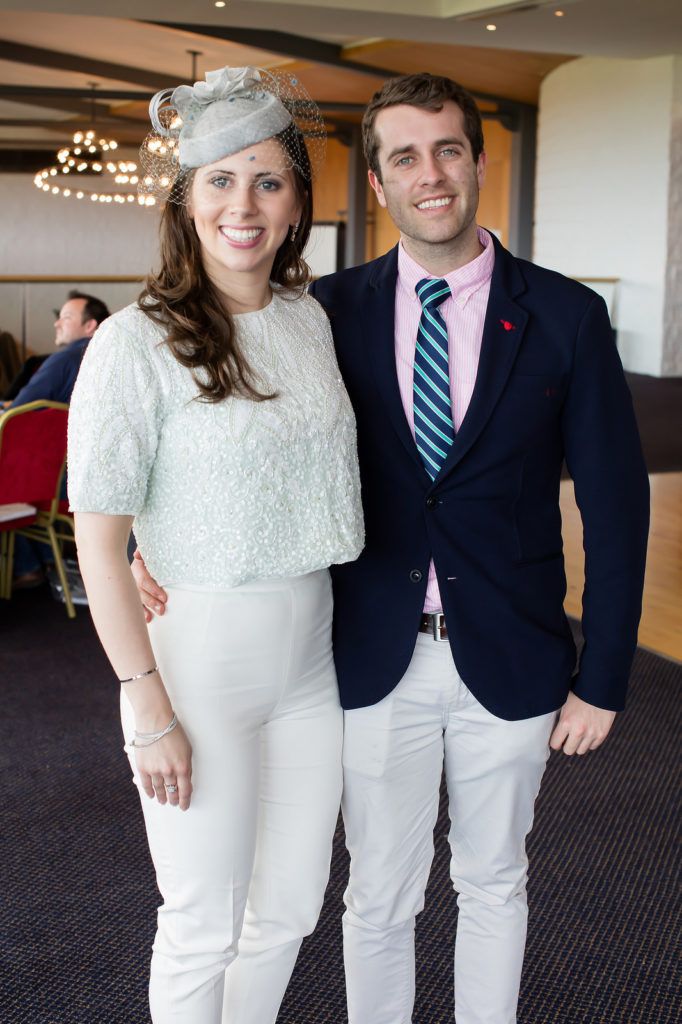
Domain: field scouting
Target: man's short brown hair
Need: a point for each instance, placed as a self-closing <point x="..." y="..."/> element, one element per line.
<point x="423" y="90"/>
<point x="93" y="309"/>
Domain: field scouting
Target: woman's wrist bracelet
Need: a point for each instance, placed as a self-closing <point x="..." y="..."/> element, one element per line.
<point x="140" y="675"/>
<point x="146" y="739"/>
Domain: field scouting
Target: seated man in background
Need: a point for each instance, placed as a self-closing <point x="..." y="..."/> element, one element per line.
<point x="78" y="319"/>
<point x="31" y="366"/>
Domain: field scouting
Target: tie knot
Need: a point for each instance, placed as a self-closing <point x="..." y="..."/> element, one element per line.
<point x="431" y="292"/>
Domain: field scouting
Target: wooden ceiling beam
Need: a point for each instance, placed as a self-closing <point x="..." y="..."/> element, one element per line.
<point x="58" y="61"/>
<point x="40" y="96"/>
<point x="72" y="101"/>
<point x="53" y="125"/>
<point x="17" y="92"/>
<point x="284" y="44"/>
<point x="70" y="105"/>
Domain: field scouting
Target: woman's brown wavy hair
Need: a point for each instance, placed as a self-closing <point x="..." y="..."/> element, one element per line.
<point x="182" y="298"/>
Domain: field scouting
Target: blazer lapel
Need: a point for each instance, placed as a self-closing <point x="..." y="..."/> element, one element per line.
<point x="379" y="333"/>
<point x="503" y="330"/>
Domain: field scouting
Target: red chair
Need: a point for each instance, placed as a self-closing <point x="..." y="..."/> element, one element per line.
<point x="32" y="465"/>
<point x="12" y="516"/>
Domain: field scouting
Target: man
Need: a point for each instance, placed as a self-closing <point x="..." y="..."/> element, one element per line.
<point x="78" y="319"/>
<point x="473" y="375"/>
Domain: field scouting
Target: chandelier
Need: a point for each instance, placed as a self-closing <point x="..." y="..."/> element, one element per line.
<point x="88" y="169"/>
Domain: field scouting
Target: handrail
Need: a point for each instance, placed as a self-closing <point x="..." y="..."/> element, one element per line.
<point x="62" y="279"/>
<point x="598" y="280"/>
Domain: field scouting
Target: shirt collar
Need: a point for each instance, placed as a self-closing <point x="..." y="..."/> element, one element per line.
<point x="464" y="281"/>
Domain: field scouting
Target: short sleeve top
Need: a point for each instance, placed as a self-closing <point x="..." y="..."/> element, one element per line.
<point x="227" y="492"/>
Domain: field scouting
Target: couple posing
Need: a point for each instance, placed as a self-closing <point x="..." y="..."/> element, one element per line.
<point x="239" y="420"/>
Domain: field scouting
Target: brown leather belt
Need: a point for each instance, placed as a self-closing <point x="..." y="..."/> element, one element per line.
<point x="433" y="623"/>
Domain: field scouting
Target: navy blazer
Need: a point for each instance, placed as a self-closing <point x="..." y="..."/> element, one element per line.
<point x="550" y="386"/>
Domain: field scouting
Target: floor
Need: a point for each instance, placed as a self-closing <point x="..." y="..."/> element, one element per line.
<point x="661" y="625"/>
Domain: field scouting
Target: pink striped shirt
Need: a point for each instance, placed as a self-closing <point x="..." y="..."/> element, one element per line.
<point x="464" y="315"/>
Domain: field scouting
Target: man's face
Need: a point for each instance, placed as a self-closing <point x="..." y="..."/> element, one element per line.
<point x="430" y="183"/>
<point x="70" y="325"/>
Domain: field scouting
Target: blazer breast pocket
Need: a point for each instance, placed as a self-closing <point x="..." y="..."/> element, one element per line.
<point x="530" y="409"/>
<point x="548" y="386"/>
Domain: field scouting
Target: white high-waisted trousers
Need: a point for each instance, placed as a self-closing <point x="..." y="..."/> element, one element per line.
<point x="243" y="872"/>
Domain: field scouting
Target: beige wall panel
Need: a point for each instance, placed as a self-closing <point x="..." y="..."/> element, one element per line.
<point x="331" y="187"/>
<point x="493" y="209"/>
<point x="382" y="234"/>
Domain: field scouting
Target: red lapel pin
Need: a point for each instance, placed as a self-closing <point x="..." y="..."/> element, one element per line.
<point x="507" y="326"/>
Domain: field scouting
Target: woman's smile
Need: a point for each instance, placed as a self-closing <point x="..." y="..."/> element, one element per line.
<point x="242" y="238"/>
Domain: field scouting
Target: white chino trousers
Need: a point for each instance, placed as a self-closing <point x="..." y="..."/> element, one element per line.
<point x="243" y="872"/>
<point x="393" y="759"/>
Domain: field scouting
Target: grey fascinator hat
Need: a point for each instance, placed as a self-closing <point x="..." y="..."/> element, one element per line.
<point x="233" y="109"/>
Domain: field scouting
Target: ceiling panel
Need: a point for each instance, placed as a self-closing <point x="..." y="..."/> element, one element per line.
<point x="129" y="42"/>
<point x="512" y="74"/>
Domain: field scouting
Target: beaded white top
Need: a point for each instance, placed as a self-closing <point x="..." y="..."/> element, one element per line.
<point x="227" y="492"/>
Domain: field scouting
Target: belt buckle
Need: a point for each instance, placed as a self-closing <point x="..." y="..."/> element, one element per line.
<point x="438" y="623"/>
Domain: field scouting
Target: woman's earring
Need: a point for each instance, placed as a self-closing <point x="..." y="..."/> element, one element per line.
<point x="294" y="229"/>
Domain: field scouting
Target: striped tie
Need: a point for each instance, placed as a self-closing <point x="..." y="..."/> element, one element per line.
<point x="433" y="426"/>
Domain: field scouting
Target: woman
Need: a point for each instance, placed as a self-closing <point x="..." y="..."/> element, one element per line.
<point x="212" y="416"/>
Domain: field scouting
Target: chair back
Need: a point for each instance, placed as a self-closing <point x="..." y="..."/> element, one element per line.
<point x="33" y="454"/>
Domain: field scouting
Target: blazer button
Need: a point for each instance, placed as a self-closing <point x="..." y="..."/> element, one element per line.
<point x="432" y="501"/>
<point x="415" y="575"/>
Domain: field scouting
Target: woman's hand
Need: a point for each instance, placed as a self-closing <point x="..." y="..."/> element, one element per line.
<point x="153" y="596"/>
<point x="168" y="762"/>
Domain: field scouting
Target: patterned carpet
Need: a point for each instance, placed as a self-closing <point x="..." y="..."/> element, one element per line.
<point x="77" y="912"/>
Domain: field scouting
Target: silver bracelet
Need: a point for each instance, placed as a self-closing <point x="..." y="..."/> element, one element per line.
<point x="146" y="739"/>
<point x="140" y="675"/>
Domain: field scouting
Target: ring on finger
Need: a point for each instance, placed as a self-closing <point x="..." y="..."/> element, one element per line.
<point x="170" y="787"/>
